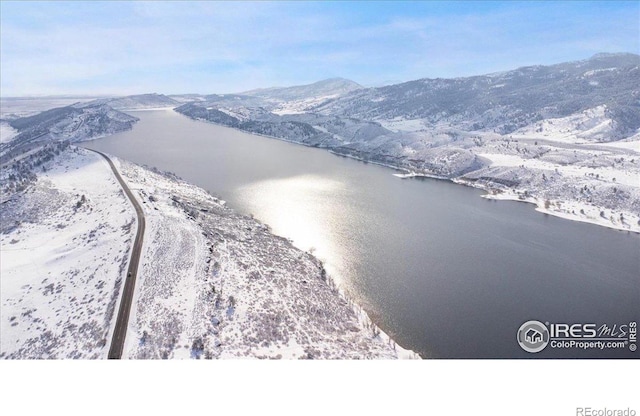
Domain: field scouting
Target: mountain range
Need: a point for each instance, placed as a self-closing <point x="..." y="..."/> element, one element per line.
<point x="509" y="100"/>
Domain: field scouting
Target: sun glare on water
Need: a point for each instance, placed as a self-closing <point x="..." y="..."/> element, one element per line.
<point x="300" y="208"/>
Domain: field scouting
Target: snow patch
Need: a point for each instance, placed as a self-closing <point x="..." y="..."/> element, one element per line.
<point x="7" y="133"/>
<point x="400" y="124"/>
<point x="598" y="71"/>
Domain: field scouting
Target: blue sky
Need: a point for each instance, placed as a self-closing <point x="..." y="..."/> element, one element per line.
<point x="205" y="47"/>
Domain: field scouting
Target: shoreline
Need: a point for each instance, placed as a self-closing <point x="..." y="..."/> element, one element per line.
<point x="539" y="207"/>
<point x="363" y="317"/>
<point x="509" y="195"/>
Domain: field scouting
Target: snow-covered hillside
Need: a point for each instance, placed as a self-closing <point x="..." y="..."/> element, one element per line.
<point x="507" y="101"/>
<point x="81" y="121"/>
<point x="212" y="283"/>
<point x="592" y="125"/>
<point x="64" y="248"/>
<point x="301" y="98"/>
<point x="278" y="100"/>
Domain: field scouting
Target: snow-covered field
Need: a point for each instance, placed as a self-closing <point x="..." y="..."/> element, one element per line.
<point x="605" y="173"/>
<point x="587" y="126"/>
<point x="64" y="248"/>
<point x="212" y="283"/>
<point x="13" y="107"/>
<point x="400" y="124"/>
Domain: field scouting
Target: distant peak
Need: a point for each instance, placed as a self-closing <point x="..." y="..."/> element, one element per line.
<point x="339" y="79"/>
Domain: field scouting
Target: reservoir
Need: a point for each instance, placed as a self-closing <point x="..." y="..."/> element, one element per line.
<point x="443" y="271"/>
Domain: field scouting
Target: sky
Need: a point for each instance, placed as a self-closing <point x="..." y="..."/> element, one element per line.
<point x="119" y="47"/>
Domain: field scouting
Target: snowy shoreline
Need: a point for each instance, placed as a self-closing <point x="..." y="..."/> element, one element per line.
<point x="539" y="207"/>
<point x="366" y="321"/>
<point x="512" y="195"/>
<point x="492" y="193"/>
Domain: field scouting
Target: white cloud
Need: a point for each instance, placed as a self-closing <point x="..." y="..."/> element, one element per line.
<point x="210" y="46"/>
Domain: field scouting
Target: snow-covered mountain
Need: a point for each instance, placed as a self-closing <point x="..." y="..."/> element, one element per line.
<point x="505" y="102"/>
<point x="598" y="98"/>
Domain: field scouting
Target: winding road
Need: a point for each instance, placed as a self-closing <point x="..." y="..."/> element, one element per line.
<point x="122" y="321"/>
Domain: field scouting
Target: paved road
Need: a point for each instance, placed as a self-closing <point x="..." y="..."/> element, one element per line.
<point x="122" y="321"/>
